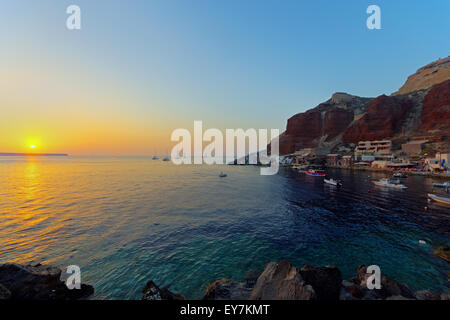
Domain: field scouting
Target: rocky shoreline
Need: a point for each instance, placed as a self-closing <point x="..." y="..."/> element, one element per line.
<point x="37" y="282"/>
<point x="283" y="281"/>
<point x="278" y="281"/>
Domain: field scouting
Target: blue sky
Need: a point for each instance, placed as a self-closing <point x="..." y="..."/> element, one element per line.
<point x="232" y="64"/>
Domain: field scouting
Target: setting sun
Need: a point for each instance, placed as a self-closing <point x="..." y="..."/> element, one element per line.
<point x="32" y="146"/>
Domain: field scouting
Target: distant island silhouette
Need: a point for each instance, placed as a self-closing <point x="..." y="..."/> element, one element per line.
<point x="34" y="154"/>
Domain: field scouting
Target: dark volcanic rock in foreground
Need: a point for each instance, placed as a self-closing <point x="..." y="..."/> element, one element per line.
<point x="152" y="292"/>
<point x="283" y="281"/>
<point x="443" y="253"/>
<point x="326" y="281"/>
<point x="26" y="282"/>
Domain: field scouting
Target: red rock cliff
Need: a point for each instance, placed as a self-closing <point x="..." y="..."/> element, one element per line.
<point x="416" y="109"/>
<point x="436" y="109"/>
<point x="382" y="120"/>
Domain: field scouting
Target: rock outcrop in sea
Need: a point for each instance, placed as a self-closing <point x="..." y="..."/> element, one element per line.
<point x="420" y="108"/>
<point x="283" y="281"/>
<point x="38" y="282"/>
<point x="152" y="292"/>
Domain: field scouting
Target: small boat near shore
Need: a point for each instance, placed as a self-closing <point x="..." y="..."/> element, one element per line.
<point x="222" y="175"/>
<point x="389" y="183"/>
<point x="441" y="199"/>
<point x="333" y="182"/>
<point x="155" y="158"/>
<point x="399" y="175"/>
<point x="316" y="173"/>
<point x="166" y="159"/>
<point x="442" y="185"/>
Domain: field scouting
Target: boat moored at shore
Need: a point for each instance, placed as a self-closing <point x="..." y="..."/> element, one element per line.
<point x="333" y="182"/>
<point x="440" y="199"/>
<point x="399" y="175"/>
<point x="442" y="185"/>
<point x="316" y="173"/>
<point x="389" y="183"/>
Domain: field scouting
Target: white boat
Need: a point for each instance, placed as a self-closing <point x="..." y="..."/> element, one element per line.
<point x="389" y="183"/>
<point x="441" y="199"/>
<point x="333" y="182"/>
<point x="222" y="175"/>
<point x="442" y="185"/>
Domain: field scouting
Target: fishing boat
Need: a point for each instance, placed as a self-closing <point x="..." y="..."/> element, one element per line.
<point x="442" y="185"/>
<point x="166" y="159"/>
<point x="399" y="175"/>
<point x="441" y="199"/>
<point x="389" y="183"/>
<point x="155" y="158"/>
<point x="333" y="182"/>
<point x="222" y="175"/>
<point x="316" y="173"/>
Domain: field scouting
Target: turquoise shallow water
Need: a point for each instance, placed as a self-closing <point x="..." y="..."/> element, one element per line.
<point x="125" y="221"/>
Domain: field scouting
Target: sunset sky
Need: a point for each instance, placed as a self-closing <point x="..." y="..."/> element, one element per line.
<point x="137" y="70"/>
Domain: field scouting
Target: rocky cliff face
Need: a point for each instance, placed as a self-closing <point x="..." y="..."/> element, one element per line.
<point x="426" y="77"/>
<point x="420" y="107"/>
<point x="322" y="125"/>
<point x="436" y="109"/>
<point x="383" y="119"/>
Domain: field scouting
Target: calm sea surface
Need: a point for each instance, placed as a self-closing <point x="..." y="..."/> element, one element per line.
<point x="125" y="221"/>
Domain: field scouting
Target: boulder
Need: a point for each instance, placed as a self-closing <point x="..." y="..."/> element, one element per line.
<point x="39" y="282"/>
<point x="228" y="290"/>
<point x="326" y="281"/>
<point x="281" y="281"/>
<point x="251" y="277"/>
<point x="425" y="295"/>
<point x="443" y="253"/>
<point x="152" y="292"/>
<point x="5" y="294"/>
<point x="398" y="298"/>
<point x="389" y="287"/>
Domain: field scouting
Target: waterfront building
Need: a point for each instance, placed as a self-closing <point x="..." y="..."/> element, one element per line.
<point x="377" y="147"/>
<point x="346" y="161"/>
<point x="333" y="159"/>
<point x="413" y="147"/>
